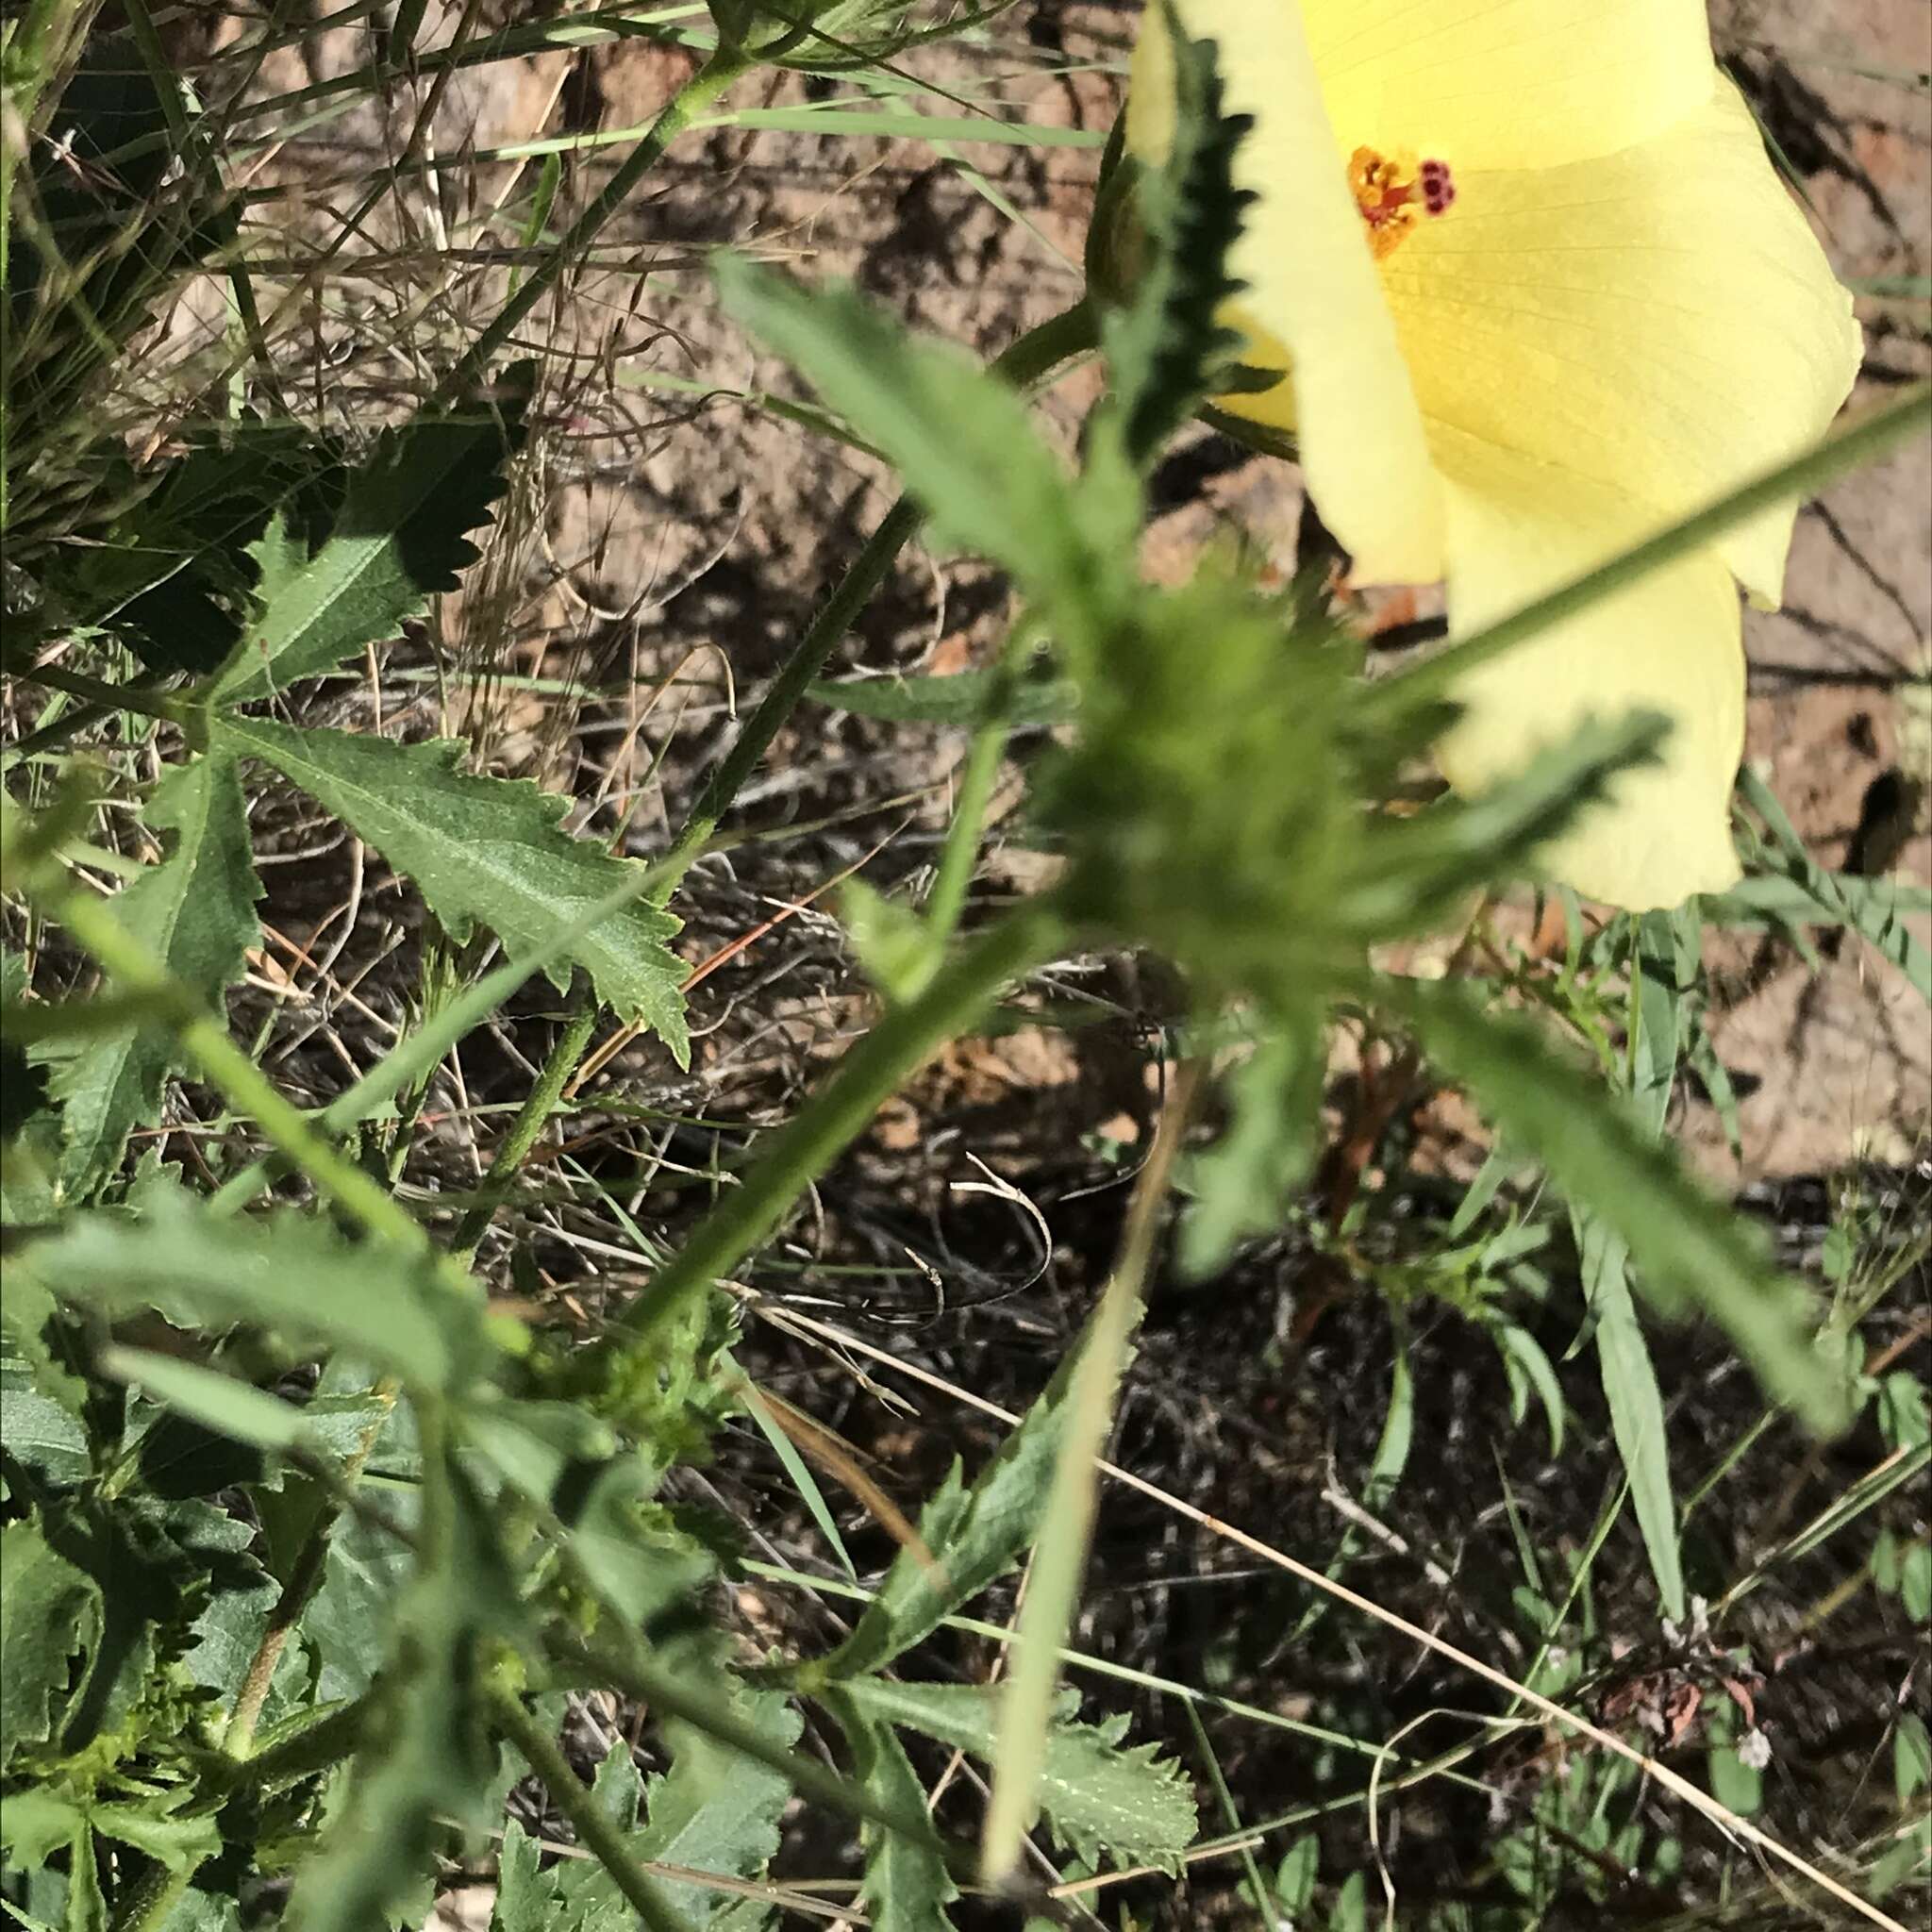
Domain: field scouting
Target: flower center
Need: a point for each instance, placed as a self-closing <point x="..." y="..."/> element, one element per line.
<point x="1394" y="192"/>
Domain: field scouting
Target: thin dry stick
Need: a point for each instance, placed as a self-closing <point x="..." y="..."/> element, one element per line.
<point x="1721" y="1815"/>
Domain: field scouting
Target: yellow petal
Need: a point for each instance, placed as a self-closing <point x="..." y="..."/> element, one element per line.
<point x="1506" y="83"/>
<point x="1312" y="300"/>
<point x="1671" y="644"/>
<point x="1661" y="321"/>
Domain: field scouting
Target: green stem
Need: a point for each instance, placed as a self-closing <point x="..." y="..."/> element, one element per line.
<point x="1039" y="354"/>
<point x="246" y="1089"/>
<point x="1066" y="1522"/>
<point x="323" y="1744"/>
<point x="838" y="1114"/>
<point x="595" y="1832"/>
<point x="856" y="590"/>
<point x="705" y="85"/>
<point x="119" y="697"/>
<point x="151" y="1901"/>
<point x="1852" y="447"/>
<point x="961" y="855"/>
<point x="671" y="1695"/>
<point x="524" y="1131"/>
<point x="304" y="1577"/>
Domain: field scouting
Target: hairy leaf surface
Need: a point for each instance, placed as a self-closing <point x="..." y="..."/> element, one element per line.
<point x="908" y="1886"/>
<point x="195" y="912"/>
<point x="487" y="852"/>
<point x="1104" y="1799"/>
<point x="403" y="534"/>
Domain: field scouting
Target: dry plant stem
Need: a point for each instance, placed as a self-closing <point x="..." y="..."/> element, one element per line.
<point x="594" y="1831"/>
<point x="1726" y="1818"/>
<point x="905" y="1037"/>
<point x="1066" y="1524"/>
<point x="725" y="66"/>
<point x="181" y="133"/>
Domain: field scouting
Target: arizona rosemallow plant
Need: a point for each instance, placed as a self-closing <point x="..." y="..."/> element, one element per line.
<point x="304" y="1651"/>
<point x="1534" y="290"/>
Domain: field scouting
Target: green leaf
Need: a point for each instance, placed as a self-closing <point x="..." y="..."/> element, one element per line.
<point x="1519" y="1346"/>
<point x="1181" y="220"/>
<point x="34" y="1824"/>
<point x="349" y="1620"/>
<point x="173" y="574"/>
<point x="1733" y="1782"/>
<point x="959" y="701"/>
<point x="41" y="1403"/>
<point x="715" y="1809"/>
<point x="197" y="1911"/>
<point x="401" y="535"/>
<point x="976" y="1536"/>
<point x="1351" y="1912"/>
<point x="585" y="1898"/>
<point x="1915" y="1582"/>
<point x="1911" y="1757"/>
<point x="1876" y="910"/>
<point x="42" y="1598"/>
<point x="907" y="1887"/>
<point x="1295" y="1877"/>
<point x="898" y="950"/>
<point x="964" y="442"/>
<point x="181" y="1844"/>
<point x="524" y="1897"/>
<point x="1398" y="1427"/>
<point x="286" y="1272"/>
<point x="1637" y="1408"/>
<point x="1243" y="1185"/>
<point x="1663" y="971"/>
<point x="1910" y="1856"/>
<point x="1772" y="899"/>
<point x="216" y="1401"/>
<point x="427" y="1757"/>
<point x="1104" y="1801"/>
<point x="487" y="851"/>
<point x="195" y="913"/>
<point x="1415" y="871"/>
<point x="1688" y="1249"/>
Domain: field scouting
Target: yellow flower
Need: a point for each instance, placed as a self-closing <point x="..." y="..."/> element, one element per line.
<point x="1540" y="292"/>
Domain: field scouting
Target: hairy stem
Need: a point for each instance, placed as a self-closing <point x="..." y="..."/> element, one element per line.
<point x="246" y="1089"/>
<point x="671" y="1695"/>
<point x="527" y="1128"/>
<point x="595" y="1832"/>
<point x="835" y="1116"/>
<point x="303" y="1579"/>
